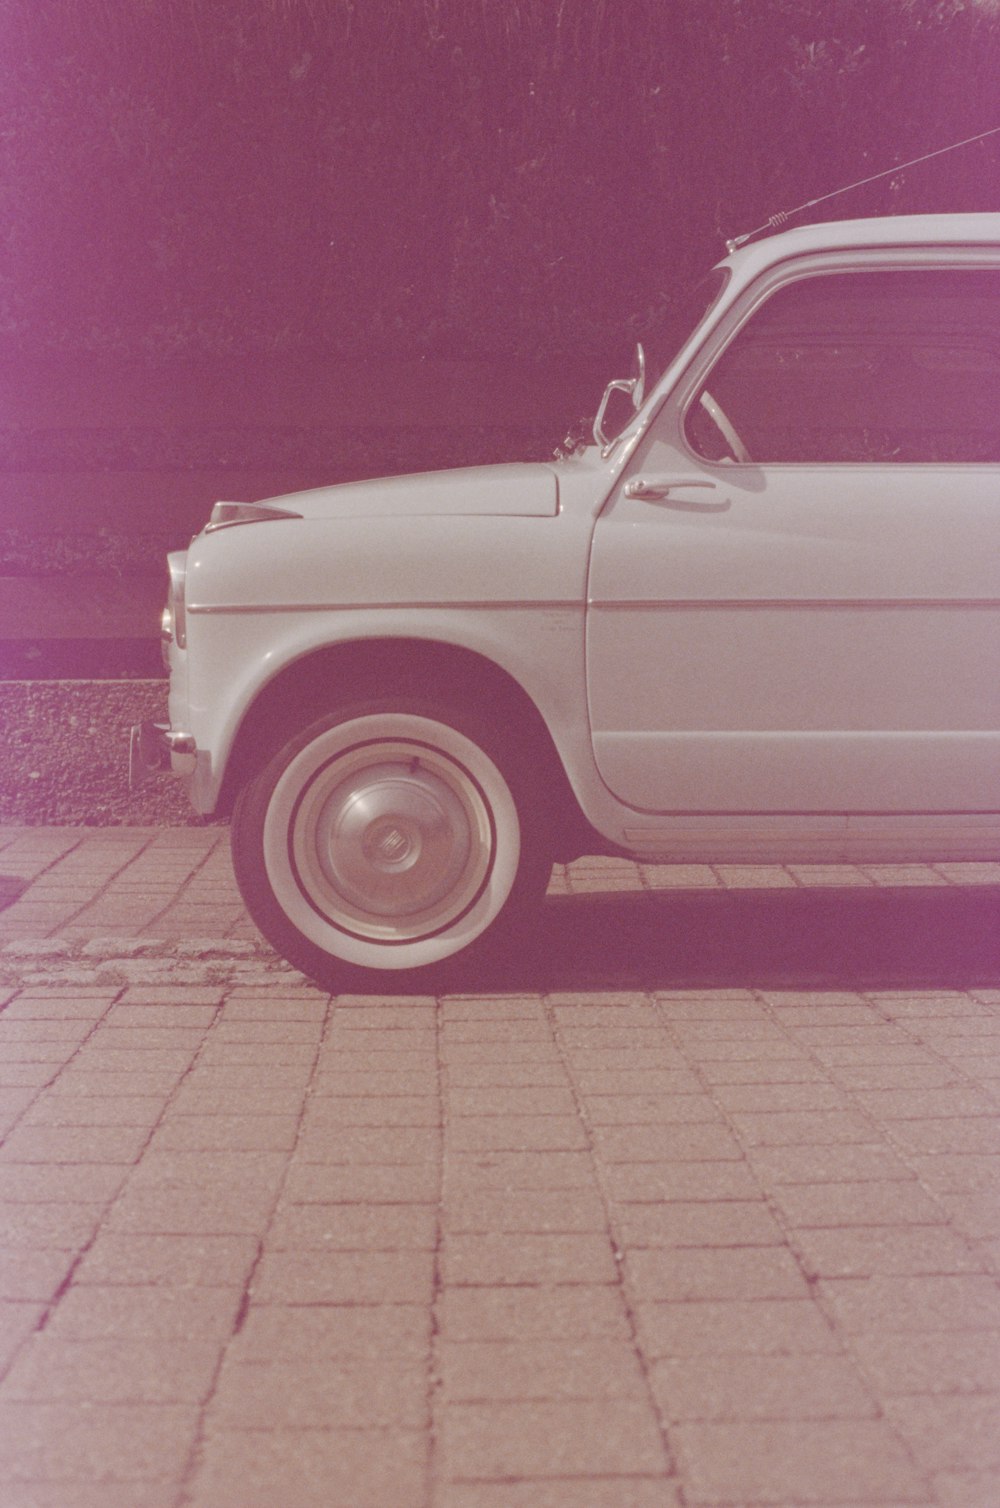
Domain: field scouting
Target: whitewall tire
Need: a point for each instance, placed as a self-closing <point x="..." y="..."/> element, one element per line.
<point x="382" y="840"/>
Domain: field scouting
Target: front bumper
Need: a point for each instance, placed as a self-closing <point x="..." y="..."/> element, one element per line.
<point x="156" y="748"/>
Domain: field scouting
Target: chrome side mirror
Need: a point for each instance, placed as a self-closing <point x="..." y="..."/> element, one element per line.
<point x="634" y="386"/>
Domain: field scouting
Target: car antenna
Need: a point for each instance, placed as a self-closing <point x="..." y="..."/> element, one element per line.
<point x="783" y="216"/>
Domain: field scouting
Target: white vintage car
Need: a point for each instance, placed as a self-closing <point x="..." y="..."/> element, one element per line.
<point x="760" y="623"/>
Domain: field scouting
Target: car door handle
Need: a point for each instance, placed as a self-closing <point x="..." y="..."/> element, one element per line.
<point x="659" y="489"/>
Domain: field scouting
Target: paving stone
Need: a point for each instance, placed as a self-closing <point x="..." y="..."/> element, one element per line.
<point x="15" y="1033"/>
<point x="144" y="1313"/>
<point x="502" y="1074"/>
<point x="780" y="1128"/>
<point x="519" y="1171"/>
<point x="353" y="1227"/>
<point x="503" y="1258"/>
<point x="540" y="1439"/>
<point x="218" y="1132"/>
<point x="100" y="1494"/>
<point x="897" y="1202"/>
<point x="889" y="1303"/>
<point x="768" y="1096"/>
<point x="312" y="1468"/>
<point x="625" y="1491"/>
<point x="936" y="1362"/>
<point x="187" y="1210"/>
<point x="927" y="1104"/>
<point x="139" y="1110"/>
<point x="53" y="1370"/>
<point x="700" y="1141"/>
<point x="583" y="1310"/>
<point x="481" y="1100"/>
<point x="516" y="1133"/>
<point x="602" y="1110"/>
<point x="975" y="1134"/>
<point x="73" y="1441"/>
<point x="475" y="1371"/>
<point x="490" y="1007"/>
<point x="852" y="1162"/>
<point x="575" y="1040"/>
<point x="321" y="1332"/>
<point x="354" y="1393"/>
<point x="957" y="1173"/>
<point x="345" y="1277"/>
<point x="781" y="1388"/>
<point x="62" y="1146"/>
<point x="682" y="1223"/>
<point x="163" y="1017"/>
<point x="75" y="1081"/>
<point x="93" y="1058"/>
<point x="887" y="1076"/>
<point x="798" y="1461"/>
<point x="331" y="1113"/>
<point x="908" y="1251"/>
<point x="950" y="1433"/>
<point x="53" y="1226"/>
<point x="353" y="1145"/>
<point x="340" y="1040"/>
<point x="637" y="1081"/>
<point x="963" y="1489"/>
<point x="682" y="1275"/>
<point x="52" y="1007"/>
<point x="559" y="1211"/>
<point x="769" y="1327"/>
<point x="25" y="1065"/>
<point x="658" y="1182"/>
<point x="378" y="1060"/>
<point x="602" y="1060"/>
<point x="168" y="1261"/>
<point x="83" y="1183"/>
<point x="619" y="1014"/>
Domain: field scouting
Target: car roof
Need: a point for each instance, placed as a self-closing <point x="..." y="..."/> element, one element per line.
<point x="886" y="230"/>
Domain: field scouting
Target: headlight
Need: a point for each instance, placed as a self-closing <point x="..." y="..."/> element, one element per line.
<point x="173" y="623"/>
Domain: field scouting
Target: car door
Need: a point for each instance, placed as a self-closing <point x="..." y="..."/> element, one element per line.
<point x="794" y="594"/>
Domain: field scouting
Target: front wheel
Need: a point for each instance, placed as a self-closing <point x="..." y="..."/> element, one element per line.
<point x="382" y="839"/>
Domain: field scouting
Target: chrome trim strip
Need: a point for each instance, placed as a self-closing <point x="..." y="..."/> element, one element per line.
<point x="222" y="608"/>
<point x="639" y="604"/>
<point x="682" y="604"/>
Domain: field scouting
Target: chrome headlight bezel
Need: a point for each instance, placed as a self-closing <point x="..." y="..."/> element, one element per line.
<point x="173" y="621"/>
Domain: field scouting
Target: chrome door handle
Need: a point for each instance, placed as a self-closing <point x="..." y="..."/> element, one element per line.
<point x="658" y="489"/>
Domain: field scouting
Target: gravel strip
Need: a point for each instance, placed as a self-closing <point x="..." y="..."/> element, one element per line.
<point x="64" y="756"/>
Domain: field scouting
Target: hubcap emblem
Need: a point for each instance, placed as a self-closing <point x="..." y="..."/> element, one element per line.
<point x="389" y="844"/>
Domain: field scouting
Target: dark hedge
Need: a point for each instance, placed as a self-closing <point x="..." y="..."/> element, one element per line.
<point x="496" y="176"/>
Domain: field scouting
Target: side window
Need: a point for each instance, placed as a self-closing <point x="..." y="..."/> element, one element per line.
<point x="854" y="367"/>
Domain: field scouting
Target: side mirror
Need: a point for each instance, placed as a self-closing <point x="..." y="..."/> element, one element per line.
<point x="639" y="379"/>
<point x="634" y="387"/>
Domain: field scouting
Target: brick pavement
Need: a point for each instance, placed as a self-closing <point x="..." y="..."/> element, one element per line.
<point x="697" y="1206"/>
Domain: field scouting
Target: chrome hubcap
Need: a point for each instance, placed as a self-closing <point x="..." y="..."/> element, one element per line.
<point x="392" y="841"/>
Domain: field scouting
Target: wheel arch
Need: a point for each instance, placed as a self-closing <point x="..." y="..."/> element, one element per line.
<point x="314" y="684"/>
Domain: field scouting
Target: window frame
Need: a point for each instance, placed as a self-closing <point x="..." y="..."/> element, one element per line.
<point x="670" y="421"/>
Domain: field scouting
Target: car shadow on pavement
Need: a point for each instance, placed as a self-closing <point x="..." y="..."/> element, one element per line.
<point x="858" y="938"/>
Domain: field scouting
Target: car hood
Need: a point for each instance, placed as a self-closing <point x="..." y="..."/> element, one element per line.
<point x="517" y="489"/>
